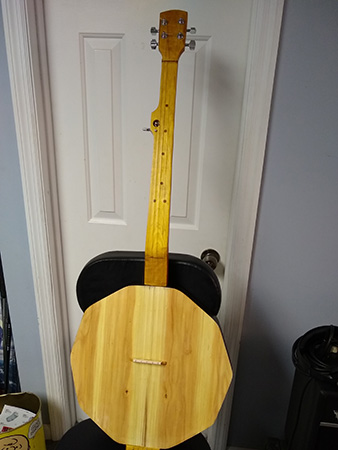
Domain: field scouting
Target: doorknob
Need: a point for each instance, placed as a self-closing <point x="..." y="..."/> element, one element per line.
<point x="211" y="257"/>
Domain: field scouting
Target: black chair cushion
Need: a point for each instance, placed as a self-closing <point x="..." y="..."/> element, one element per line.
<point x="86" y="435"/>
<point x="111" y="271"/>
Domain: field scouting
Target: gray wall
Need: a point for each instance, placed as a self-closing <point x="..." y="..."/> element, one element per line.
<point x="14" y="246"/>
<point x="294" y="277"/>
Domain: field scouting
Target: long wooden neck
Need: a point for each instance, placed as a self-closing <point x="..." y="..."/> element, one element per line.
<point x="162" y="126"/>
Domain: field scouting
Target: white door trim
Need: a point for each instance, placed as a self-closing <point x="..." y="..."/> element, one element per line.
<point x="24" y="33"/>
<point x="266" y="22"/>
<point x="25" y="42"/>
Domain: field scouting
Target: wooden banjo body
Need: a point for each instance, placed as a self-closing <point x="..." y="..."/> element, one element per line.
<point x="150" y="366"/>
<point x="155" y="370"/>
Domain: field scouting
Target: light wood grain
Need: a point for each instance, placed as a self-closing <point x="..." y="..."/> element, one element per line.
<point x="156" y="251"/>
<point x="150" y="405"/>
<point x="172" y="24"/>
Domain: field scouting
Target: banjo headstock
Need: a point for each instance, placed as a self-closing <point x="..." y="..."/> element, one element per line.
<point x="172" y="35"/>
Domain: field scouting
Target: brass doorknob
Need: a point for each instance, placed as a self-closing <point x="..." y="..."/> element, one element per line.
<point x="211" y="257"/>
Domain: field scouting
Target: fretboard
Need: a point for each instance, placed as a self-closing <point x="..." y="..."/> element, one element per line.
<point x="162" y="126"/>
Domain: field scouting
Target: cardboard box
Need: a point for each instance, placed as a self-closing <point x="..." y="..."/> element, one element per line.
<point x="29" y="436"/>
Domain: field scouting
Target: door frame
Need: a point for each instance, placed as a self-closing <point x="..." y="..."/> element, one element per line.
<point x="28" y="68"/>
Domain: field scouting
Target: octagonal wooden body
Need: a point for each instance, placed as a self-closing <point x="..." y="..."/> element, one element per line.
<point x="150" y="367"/>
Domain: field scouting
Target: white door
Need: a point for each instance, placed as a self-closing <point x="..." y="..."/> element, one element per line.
<point x="104" y="85"/>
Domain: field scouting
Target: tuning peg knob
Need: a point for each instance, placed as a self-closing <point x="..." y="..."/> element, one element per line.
<point x="191" y="45"/>
<point x="192" y="30"/>
<point x="153" y="44"/>
<point x="153" y="31"/>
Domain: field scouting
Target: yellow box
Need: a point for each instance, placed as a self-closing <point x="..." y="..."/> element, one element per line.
<point x="29" y="436"/>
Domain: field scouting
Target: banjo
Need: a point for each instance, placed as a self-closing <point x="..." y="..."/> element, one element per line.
<point x="150" y="365"/>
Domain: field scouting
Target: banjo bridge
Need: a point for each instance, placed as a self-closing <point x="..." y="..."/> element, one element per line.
<point x="149" y="361"/>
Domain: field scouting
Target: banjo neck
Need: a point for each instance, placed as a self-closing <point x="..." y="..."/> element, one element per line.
<point x="172" y="34"/>
<point x="162" y="126"/>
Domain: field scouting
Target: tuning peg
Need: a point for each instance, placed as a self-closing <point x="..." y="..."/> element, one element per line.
<point x="153" y="31"/>
<point x="191" y="30"/>
<point x="191" y="45"/>
<point x="153" y="44"/>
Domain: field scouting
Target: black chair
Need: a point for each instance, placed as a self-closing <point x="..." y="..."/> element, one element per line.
<point x="87" y="435"/>
<point x="112" y="271"/>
